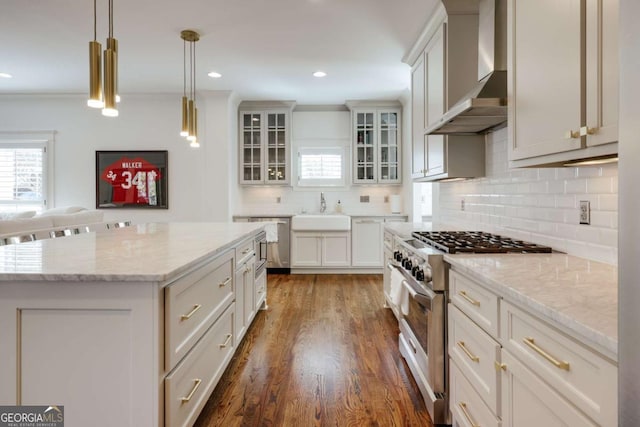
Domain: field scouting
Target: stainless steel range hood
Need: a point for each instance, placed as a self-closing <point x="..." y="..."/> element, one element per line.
<point x="484" y="108"/>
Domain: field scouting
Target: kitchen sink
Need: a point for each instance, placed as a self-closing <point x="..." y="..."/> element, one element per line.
<point x="321" y="222"/>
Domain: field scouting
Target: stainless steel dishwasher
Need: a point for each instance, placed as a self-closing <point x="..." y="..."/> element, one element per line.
<point x="278" y="253"/>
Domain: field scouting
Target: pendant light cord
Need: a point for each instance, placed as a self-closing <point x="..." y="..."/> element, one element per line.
<point x="110" y="18"/>
<point x="194" y="71"/>
<point x="184" y="67"/>
<point x="95" y="22"/>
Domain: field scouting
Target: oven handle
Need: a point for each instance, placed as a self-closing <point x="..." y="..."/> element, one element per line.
<point x="423" y="299"/>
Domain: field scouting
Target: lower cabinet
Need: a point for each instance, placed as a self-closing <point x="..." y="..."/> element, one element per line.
<point x="529" y="402"/>
<point x="367" y="242"/>
<point x="320" y="249"/>
<point x="509" y="367"/>
<point x="245" y="292"/>
<point x="188" y="386"/>
<point x="260" y="294"/>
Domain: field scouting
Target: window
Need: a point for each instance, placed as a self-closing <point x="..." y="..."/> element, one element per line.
<point x="321" y="167"/>
<point x="23" y="174"/>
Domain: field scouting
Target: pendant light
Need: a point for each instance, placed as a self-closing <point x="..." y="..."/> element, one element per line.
<point x="95" y="67"/>
<point x="110" y="70"/>
<point x="189" y="110"/>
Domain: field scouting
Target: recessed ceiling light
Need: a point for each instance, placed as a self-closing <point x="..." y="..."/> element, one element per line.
<point x="319" y="74"/>
<point x="214" y="75"/>
<point x="5" y="75"/>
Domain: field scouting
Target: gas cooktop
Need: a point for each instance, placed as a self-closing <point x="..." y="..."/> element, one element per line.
<point x="476" y="242"/>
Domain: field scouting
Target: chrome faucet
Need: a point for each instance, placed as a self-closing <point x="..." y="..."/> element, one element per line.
<point x="323" y="203"/>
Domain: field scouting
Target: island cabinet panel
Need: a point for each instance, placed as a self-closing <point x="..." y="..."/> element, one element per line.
<point x="189" y="386"/>
<point x="193" y="303"/>
<point x="87" y="346"/>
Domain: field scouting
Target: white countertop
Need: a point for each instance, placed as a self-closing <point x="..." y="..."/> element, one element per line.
<point x="574" y="294"/>
<point x="144" y="252"/>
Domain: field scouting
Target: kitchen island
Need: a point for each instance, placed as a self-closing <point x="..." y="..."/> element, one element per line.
<point x="127" y="327"/>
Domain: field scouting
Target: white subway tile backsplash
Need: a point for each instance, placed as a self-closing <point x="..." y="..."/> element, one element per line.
<point x="540" y="205"/>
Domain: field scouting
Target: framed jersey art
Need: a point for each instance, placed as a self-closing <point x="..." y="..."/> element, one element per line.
<point x="132" y="179"/>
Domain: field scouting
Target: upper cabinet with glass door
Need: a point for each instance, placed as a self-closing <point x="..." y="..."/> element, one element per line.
<point x="376" y="146"/>
<point x="264" y="148"/>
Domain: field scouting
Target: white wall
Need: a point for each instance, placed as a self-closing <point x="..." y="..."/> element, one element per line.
<point x="538" y="205"/>
<point x="198" y="178"/>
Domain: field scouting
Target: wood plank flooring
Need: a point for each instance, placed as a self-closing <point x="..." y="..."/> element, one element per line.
<point x="325" y="353"/>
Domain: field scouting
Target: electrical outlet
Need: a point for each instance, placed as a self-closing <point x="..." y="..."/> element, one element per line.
<point x="386" y="199"/>
<point x="462" y="204"/>
<point x="585" y="212"/>
<point x="278" y="199"/>
<point x="364" y="199"/>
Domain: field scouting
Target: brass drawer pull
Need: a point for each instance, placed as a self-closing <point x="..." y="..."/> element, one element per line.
<point x="246" y="251"/>
<point x="586" y="130"/>
<point x="470" y="355"/>
<point x="463" y="407"/>
<point x="572" y="134"/>
<point x="464" y="295"/>
<point x="197" y="382"/>
<point x="226" y="342"/>
<point x="191" y="313"/>
<point x="557" y="363"/>
<point x="225" y="283"/>
<point x="500" y="366"/>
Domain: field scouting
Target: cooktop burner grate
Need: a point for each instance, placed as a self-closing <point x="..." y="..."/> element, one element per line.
<point x="476" y="242"/>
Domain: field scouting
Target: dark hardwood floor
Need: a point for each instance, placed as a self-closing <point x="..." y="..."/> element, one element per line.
<point x="325" y="353"/>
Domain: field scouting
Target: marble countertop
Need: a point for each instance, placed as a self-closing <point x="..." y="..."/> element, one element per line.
<point x="143" y="252"/>
<point x="574" y="294"/>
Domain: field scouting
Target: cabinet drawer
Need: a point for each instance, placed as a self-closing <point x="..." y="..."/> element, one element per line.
<point x="583" y="377"/>
<point x="467" y="407"/>
<point x="192" y="304"/>
<point x="244" y="250"/>
<point x="188" y="387"/>
<point x="480" y="304"/>
<point x="476" y="353"/>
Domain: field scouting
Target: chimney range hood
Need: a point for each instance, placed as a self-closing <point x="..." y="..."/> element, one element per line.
<point x="484" y="108"/>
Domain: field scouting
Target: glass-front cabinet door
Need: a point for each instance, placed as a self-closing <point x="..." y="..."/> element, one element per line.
<point x="251" y="147"/>
<point x="276" y="148"/>
<point x="264" y="147"/>
<point x="365" y="147"/>
<point x="388" y="147"/>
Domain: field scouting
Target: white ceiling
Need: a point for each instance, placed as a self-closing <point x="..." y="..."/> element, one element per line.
<point x="265" y="49"/>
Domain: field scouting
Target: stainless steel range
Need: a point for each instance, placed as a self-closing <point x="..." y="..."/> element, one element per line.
<point x="423" y="312"/>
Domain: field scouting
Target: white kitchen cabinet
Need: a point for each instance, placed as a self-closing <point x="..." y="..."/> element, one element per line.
<point x="562" y="81"/>
<point x="507" y="362"/>
<point x="320" y="249"/>
<point x="377" y="142"/>
<point x="417" y="118"/>
<point x="529" y="402"/>
<point x="447" y="74"/>
<point x="367" y="242"/>
<point x="264" y="145"/>
<point x="261" y="290"/>
<point x="244" y="292"/>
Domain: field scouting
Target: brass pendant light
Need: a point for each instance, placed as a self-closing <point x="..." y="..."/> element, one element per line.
<point x="95" y="68"/>
<point x="110" y="70"/>
<point x="189" y="110"/>
<point x="103" y="95"/>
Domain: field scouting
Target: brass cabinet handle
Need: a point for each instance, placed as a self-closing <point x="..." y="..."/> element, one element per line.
<point x="464" y="295"/>
<point x="586" y="130"/>
<point x="226" y="342"/>
<point x="572" y="134"/>
<point x="246" y="251"/>
<point x="463" y="407"/>
<point x="470" y="355"/>
<point x="247" y="269"/>
<point x="557" y="363"/>
<point x="191" y="313"/>
<point x="225" y="283"/>
<point x="197" y="382"/>
<point x="500" y="366"/>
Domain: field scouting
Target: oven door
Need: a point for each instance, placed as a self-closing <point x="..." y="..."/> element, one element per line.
<point x="423" y="345"/>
